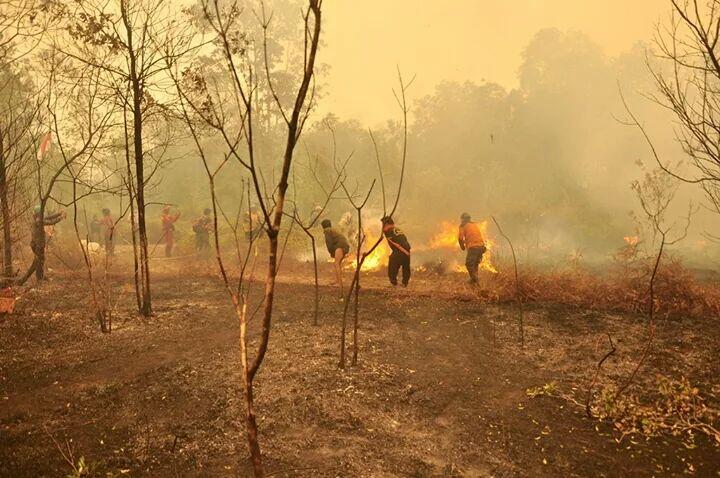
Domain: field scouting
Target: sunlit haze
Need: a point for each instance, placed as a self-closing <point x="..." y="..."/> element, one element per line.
<point x="456" y="40"/>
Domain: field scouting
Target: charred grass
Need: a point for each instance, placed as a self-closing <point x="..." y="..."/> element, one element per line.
<point x="442" y="388"/>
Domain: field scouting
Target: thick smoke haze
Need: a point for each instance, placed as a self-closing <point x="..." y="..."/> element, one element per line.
<point x="544" y="147"/>
<point x="359" y="238"/>
<point x="458" y="40"/>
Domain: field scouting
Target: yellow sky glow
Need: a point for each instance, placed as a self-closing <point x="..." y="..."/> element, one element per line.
<point x="455" y="40"/>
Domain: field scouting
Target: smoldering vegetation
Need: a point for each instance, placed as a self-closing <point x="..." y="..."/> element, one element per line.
<point x="553" y="159"/>
<point x="191" y="142"/>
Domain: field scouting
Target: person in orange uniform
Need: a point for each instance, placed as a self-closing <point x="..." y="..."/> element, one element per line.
<point x="471" y="240"/>
<point x="168" y="229"/>
<point x="108" y="224"/>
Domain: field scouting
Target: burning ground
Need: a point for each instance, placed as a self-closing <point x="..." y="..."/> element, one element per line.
<point x="442" y="387"/>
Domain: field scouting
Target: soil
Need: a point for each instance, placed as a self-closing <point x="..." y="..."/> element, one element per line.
<point x="439" y="388"/>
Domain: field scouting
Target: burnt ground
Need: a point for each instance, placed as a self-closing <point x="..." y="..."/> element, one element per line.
<point x="440" y="388"/>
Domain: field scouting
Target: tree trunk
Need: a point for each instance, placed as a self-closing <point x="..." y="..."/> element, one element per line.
<point x="6" y="221"/>
<point x="250" y="371"/>
<point x="39" y="251"/>
<point x="316" y="304"/>
<point x="136" y="263"/>
<point x="135" y="83"/>
<point x="356" y="308"/>
<point x="252" y="430"/>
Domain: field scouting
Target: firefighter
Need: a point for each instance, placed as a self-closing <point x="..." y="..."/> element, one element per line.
<point x="400" y="256"/>
<point x="108" y="224"/>
<point x="338" y="247"/>
<point x="471" y="240"/>
<point x="38" y="240"/>
<point x="168" y="228"/>
<point x="201" y="228"/>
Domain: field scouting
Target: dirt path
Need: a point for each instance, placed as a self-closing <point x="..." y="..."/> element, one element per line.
<point x="439" y="391"/>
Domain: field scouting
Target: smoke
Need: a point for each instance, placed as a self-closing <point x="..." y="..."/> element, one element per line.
<point x="550" y="156"/>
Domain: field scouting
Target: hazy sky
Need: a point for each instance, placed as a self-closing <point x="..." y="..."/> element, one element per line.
<point x="455" y="40"/>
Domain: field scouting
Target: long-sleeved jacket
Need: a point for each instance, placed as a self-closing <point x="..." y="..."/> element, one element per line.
<point x="398" y="241"/>
<point x="334" y="241"/>
<point x="470" y="236"/>
<point x="168" y="221"/>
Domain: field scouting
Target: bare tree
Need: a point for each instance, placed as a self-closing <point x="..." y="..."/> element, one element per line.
<point x="74" y="110"/>
<point x="20" y="107"/>
<point x="401" y="98"/>
<point x="688" y="82"/>
<point x="655" y="193"/>
<point x="23" y="23"/>
<point x="307" y="225"/>
<point x="132" y="44"/>
<point x="232" y="118"/>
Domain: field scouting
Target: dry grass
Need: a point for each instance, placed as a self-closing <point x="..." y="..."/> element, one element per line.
<point x="621" y="288"/>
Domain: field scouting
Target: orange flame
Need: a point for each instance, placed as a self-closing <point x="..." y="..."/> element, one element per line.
<point x="376" y="259"/>
<point x="631" y="240"/>
<point x="447" y="238"/>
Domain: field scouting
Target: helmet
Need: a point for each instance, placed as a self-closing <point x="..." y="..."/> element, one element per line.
<point x="326" y="223"/>
<point x="465" y="216"/>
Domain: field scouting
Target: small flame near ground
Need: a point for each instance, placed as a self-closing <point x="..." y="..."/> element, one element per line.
<point x="632" y="240"/>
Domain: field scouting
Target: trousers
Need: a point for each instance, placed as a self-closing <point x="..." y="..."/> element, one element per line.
<point x="397" y="261"/>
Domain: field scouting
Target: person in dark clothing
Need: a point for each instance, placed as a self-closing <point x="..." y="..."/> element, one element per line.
<point x="202" y="227"/>
<point x="400" y="256"/>
<point x="95" y="228"/>
<point x="338" y="247"/>
<point x="38" y="240"/>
